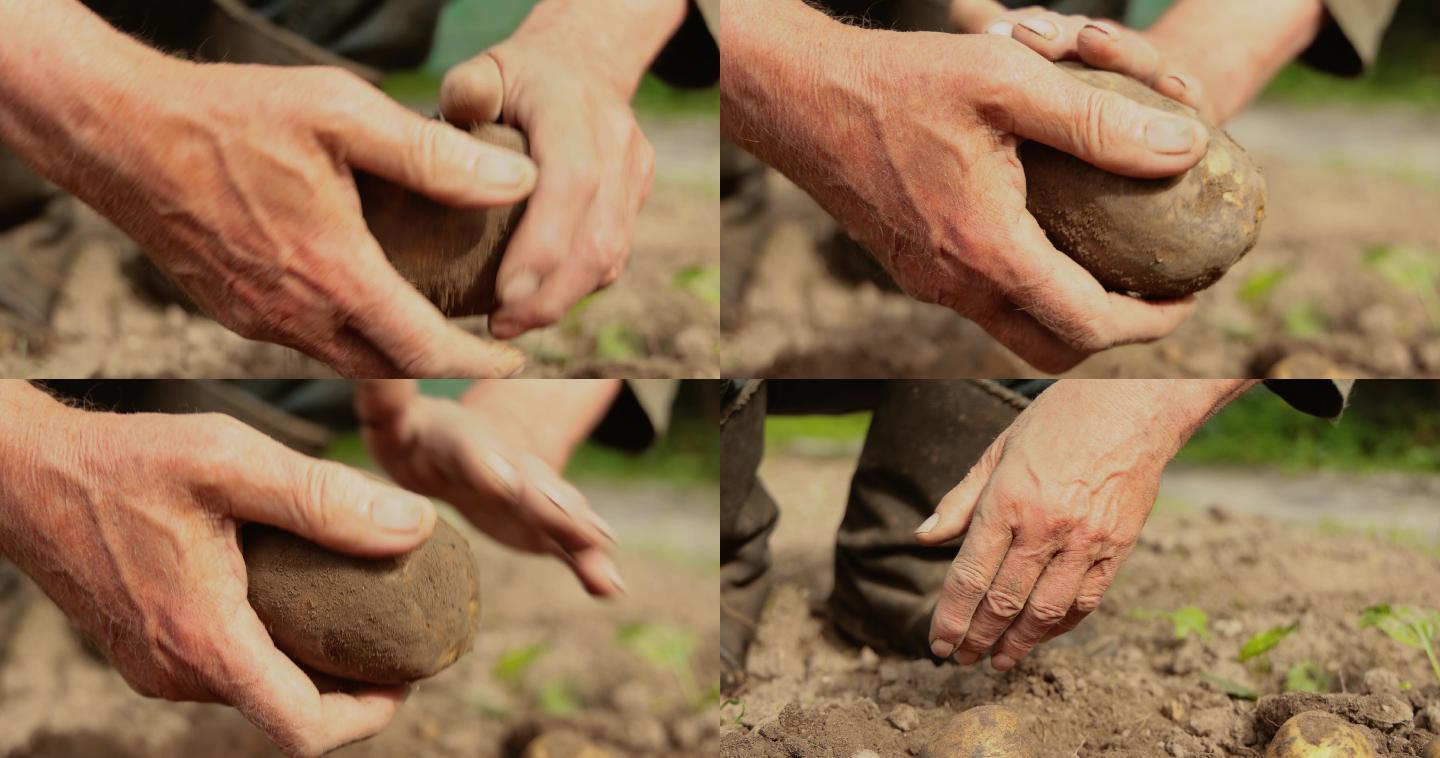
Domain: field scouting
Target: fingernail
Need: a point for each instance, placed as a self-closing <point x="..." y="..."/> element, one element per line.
<point x="967" y="657"/>
<point x="602" y="525"/>
<point x="562" y="497"/>
<point x="1001" y="28"/>
<point x="1177" y="80"/>
<point x="1041" y="26"/>
<point x="1002" y="662"/>
<point x="942" y="649"/>
<point x="399" y="514"/>
<point x="613" y="574"/>
<point x="522" y="286"/>
<point x="502" y="170"/>
<point x="928" y="524"/>
<point x="1169" y="135"/>
<point x="1103" y="28"/>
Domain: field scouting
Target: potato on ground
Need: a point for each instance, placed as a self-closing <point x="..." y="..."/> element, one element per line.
<point x="1317" y="734"/>
<point x="986" y="731"/>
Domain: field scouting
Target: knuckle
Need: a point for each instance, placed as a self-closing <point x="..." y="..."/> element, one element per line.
<point x="1003" y="603"/>
<point x="1048" y="613"/>
<point x="965" y="581"/>
<point x="320" y="485"/>
<point x="1088" y="602"/>
<point x="1098" y="110"/>
<point x="423" y="157"/>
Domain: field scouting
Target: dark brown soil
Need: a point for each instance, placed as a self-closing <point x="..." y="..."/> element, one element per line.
<point x="1121" y="684"/>
<point x="388" y="621"/>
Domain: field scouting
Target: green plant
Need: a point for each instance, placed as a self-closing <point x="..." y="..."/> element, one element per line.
<point x="514" y="662"/>
<point x="1265" y="641"/>
<point x="1233" y="689"/>
<point x="558" y="697"/>
<point x="1414" y="269"/>
<point x="1307" y="676"/>
<point x="668" y="647"/>
<point x="701" y="281"/>
<point x="1183" y="621"/>
<point x="1408" y="625"/>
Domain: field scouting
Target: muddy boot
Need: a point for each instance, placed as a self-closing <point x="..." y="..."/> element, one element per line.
<point x="852" y="264"/>
<point x="747" y="517"/>
<point x="923" y="439"/>
<point x="745" y="224"/>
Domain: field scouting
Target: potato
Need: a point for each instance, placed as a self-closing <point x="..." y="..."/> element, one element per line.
<point x="386" y="621"/>
<point x="1433" y="749"/>
<point x="1317" y="734"/>
<point x="986" y="731"/>
<point x="1153" y="237"/>
<point x="563" y="744"/>
<point x="452" y="255"/>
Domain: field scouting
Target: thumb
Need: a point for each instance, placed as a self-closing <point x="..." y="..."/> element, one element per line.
<point x="972" y="16"/>
<point x="473" y="92"/>
<point x="339" y="507"/>
<point x="1099" y="126"/>
<point x="952" y="516"/>
<point x="434" y="158"/>
<point x="382" y="403"/>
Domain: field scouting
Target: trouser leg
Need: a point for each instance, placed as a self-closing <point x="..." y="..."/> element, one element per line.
<point x="923" y="439"/>
<point x="747" y="518"/>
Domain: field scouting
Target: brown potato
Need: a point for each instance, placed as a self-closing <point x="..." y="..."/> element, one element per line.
<point x="452" y="255"/>
<point x="1317" y="734"/>
<point x="1152" y="237"/>
<point x="387" y="621"/>
<point x="1433" y="749"/>
<point x="986" y="731"/>
<point x="563" y="744"/>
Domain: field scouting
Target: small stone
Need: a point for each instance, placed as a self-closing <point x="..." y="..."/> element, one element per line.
<point x="904" y="718"/>
<point x="869" y="659"/>
<point x="1174" y="710"/>
<point x="1382" y="682"/>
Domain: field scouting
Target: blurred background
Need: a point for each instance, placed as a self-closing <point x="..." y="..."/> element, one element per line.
<point x="635" y="676"/>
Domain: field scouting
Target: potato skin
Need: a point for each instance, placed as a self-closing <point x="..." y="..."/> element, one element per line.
<point x="387" y="621"/>
<point x="986" y="731"/>
<point x="1157" y="238"/>
<point x="1318" y="734"/>
<point x="452" y="255"/>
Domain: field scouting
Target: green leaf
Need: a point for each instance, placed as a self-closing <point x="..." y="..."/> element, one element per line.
<point x="1260" y="284"/>
<point x="558" y="698"/>
<point x="701" y="281"/>
<point x="1305" y="320"/>
<point x="514" y="662"/>
<point x="1266" y="641"/>
<point x="1307" y="676"/>
<point x="1190" y="620"/>
<point x="668" y="647"/>
<point x="1405" y="624"/>
<point x="1233" y="689"/>
<point x="618" y="342"/>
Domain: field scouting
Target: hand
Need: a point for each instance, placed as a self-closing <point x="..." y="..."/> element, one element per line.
<point x="488" y="469"/>
<point x="1100" y="44"/>
<point x="130" y="524"/>
<point x="910" y="140"/>
<point x="566" y="80"/>
<point x="1046" y="528"/>
<point x="236" y="180"/>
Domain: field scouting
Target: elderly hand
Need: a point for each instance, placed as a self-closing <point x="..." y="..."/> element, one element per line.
<point x="236" y="180"/>
<point x="566" y="78"/>
<point x="909" y="140"/>
<point x="130" y="524"/>
<point x="474" y="461"/>
<point x="1053" y="508"/>
<point x="1099" y="43"/>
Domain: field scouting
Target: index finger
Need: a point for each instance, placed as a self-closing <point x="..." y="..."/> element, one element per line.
<point x="967" y="581"/>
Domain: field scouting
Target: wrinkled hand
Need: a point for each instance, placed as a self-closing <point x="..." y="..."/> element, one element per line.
<point x="130" y="524"/>
<point x="596" y="166"/>
<point x="1052" y="510"/>
<point x="237" y="181"/>
<point x="916" y="157"/>
<point x="490" y="471"/>
<point x="1100" y="43"/>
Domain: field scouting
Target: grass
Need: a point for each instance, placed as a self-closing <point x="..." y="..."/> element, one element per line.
<point x="840" y="434"/>
<point x="1378" y="434"/>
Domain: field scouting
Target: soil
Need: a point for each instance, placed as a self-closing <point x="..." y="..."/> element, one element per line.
<point x="1121" y="684"/>
<point x="1340" y="184"/>
<point x="58" y="701"/>
<point x="380" y="621"/>
<point x="659" y="319"/>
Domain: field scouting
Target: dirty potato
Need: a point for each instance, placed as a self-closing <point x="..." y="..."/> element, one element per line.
<point x="563" y="744"/>
<point x="387" y="621"/>
<point x="1152" y="237"/>
<point x="451" y="255"/>
<point x="1317" y="734"/>
<point x="987" y="731"/>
